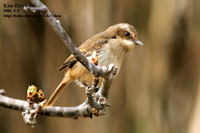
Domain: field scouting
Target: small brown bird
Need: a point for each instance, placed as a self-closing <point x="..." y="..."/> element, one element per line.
<point x="111" y="47"/>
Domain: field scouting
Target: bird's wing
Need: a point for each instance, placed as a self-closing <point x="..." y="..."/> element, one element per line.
<point x="94" y="43"/>
<point x="69" y="62"/>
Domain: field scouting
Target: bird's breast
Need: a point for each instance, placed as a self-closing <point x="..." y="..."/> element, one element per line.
<point x="106" y="56"/>
<point x="111" y="54"/>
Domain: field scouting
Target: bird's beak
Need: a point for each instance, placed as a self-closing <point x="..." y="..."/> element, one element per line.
<point x="137" y="42"/>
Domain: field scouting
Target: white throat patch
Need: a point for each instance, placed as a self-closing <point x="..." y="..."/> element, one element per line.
<point x="128" y="42"/>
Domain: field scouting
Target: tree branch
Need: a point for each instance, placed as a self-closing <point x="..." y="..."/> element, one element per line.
<point x="21" y="105"/>
<point x="83" y="110"/>
<point x="95" y="102"/>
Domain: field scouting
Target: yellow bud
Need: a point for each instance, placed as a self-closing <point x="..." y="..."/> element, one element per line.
<point x="94" y="57"/>
<point x="43" y="103"/>
<point x="31" y="91"/>
<point x="40" y="94"/>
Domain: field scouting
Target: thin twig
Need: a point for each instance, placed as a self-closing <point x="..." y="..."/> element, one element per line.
<point x="22" y="105"/>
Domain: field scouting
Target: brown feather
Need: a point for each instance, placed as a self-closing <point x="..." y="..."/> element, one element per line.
<point x="94" y="43"/>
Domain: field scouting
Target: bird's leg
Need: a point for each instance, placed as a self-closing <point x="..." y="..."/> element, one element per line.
<point x="95" y="83"/>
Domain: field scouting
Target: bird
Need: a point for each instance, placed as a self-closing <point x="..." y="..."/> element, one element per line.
<point x="111" y="47"/>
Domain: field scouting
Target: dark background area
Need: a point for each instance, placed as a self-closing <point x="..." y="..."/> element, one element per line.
<point x="157" y="90"/>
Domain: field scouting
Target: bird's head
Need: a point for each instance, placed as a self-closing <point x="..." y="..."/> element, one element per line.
<point x="125" y="33"/>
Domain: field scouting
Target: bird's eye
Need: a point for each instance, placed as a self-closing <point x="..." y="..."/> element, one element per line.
<point x="127" y="33"/>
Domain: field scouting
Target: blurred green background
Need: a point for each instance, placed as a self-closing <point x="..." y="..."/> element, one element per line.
<point x="157" y="90"/>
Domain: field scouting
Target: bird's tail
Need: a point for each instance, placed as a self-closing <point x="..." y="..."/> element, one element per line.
<point x="66" y="80"/>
